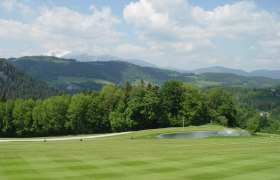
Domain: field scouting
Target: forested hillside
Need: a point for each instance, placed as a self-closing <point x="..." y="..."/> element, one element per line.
<point x="266" y="101"/>
<point x="72" y="76"/>
<point x="131" y="107"/>
<point x="14" y="83"/>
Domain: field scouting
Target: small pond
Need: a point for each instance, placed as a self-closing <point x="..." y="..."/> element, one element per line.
<point x="203" y="134"/>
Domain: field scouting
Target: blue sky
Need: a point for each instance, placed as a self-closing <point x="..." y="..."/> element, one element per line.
<point x="169" y="33"/>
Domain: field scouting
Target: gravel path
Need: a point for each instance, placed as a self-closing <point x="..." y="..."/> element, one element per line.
<point x="62" y="139"/>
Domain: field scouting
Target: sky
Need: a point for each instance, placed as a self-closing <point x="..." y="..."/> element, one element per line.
<point x="183" y="34"/>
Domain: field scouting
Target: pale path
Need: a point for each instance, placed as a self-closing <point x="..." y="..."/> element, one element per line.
<point x="63" y="139"/>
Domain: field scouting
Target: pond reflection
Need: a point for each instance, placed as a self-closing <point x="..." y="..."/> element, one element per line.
<point x="203" y="134"/>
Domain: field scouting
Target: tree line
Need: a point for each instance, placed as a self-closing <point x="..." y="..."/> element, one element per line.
<point x="115" y="109"/>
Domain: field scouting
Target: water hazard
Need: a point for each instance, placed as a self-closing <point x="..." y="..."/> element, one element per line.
<point x="203" y="134"/>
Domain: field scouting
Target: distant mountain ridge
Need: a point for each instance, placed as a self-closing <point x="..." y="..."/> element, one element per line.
<point x="90" y="58"/>
<point x="220" y="69"/>
<point x="275" y="74"/>
<point x="72" y="76"/>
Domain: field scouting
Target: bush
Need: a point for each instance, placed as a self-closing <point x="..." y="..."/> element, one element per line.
<point x="252" y="125"/>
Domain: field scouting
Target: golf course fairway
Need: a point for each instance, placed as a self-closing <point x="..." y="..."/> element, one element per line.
<point x="140" y="155"/>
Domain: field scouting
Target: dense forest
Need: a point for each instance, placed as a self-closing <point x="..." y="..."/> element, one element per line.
<point x="72" y="76"/>
<point x="14" y="83"/>
<point x="266" y="101"/>
<point x="130" y="107"/>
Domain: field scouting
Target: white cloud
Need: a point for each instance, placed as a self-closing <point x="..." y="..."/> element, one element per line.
<point x="129" y="50"/>
<point x="67" y="23"/>
<point x="167" y="32"/>
<point x="13" y="5"/>
<point x="178" y="27"/>
<point x="63" y="28"/>
<point x="13" y="29"/>
<point x="236" y="20"/>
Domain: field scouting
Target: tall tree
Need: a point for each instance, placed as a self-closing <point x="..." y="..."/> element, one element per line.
<point x="8" y="128"/>
<point x="172" y="95"/>
<point x="118" y="118"/>
<point x="39" y="119"/>
<point x="22" y="117"/>
<point x="194" y="108"/>
<point x="221" y="104"/>
<point x="76" y="113"/>
<point x="97" y="116"/>
<point x="109" y="96"/>
<point x="56" y="111"/>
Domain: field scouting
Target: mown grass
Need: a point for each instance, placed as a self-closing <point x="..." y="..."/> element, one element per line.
<point x="73" y="79"/>
<point x="203" y="83"/>
<point x="139" y="155"/>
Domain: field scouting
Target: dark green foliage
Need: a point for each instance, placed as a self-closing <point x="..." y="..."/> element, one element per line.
<point x="221" y="106"/>
<point x="22" y="117"/>
<point x="6" y="119"/>
<point x="263" y="102"/>
<point x="141" y="106"/>
<point x="97" y="118"/>
<point x="92" y="75"/>
<point x="144" y="109"/>
<point x="131" y="107"/>
<point x="77" y="113"/>
<point x="172" y="93"/>
<point x="72" y="76"/>
<point x="54" y="117"/>
<point x="14" y="83"/>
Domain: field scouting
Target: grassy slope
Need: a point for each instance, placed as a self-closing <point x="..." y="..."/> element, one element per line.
<point x="61" y="72"/>
<point x="144" y="157"/>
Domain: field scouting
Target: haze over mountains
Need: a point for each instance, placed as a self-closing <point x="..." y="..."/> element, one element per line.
<point x="275" y="74"/>
<point x="72" y="76"/>
<point x="84" y="57"/>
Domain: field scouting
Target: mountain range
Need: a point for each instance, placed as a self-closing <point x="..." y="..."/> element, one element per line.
<point x="71" y="76"/>
<point x="84" y="57"/>
<point x="275" y="74"/>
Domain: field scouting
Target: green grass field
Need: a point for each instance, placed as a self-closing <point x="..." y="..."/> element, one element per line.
<point x="144" y="157"/>
<point x="73" y="79"/>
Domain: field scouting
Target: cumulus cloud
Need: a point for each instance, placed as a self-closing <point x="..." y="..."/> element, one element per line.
<point x="61" y="27"/>
<point x="166" y="32"/>
<point x="66" y="22"/>
<point x="230" y="20"/>
<point x="176" y="26"/>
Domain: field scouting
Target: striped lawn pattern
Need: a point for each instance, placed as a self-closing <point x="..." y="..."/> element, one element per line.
<point x="144" y="157"/>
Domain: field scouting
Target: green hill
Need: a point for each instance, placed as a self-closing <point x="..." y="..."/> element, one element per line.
<point x="14" y="83"/>
<point x="73" y="76"/>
